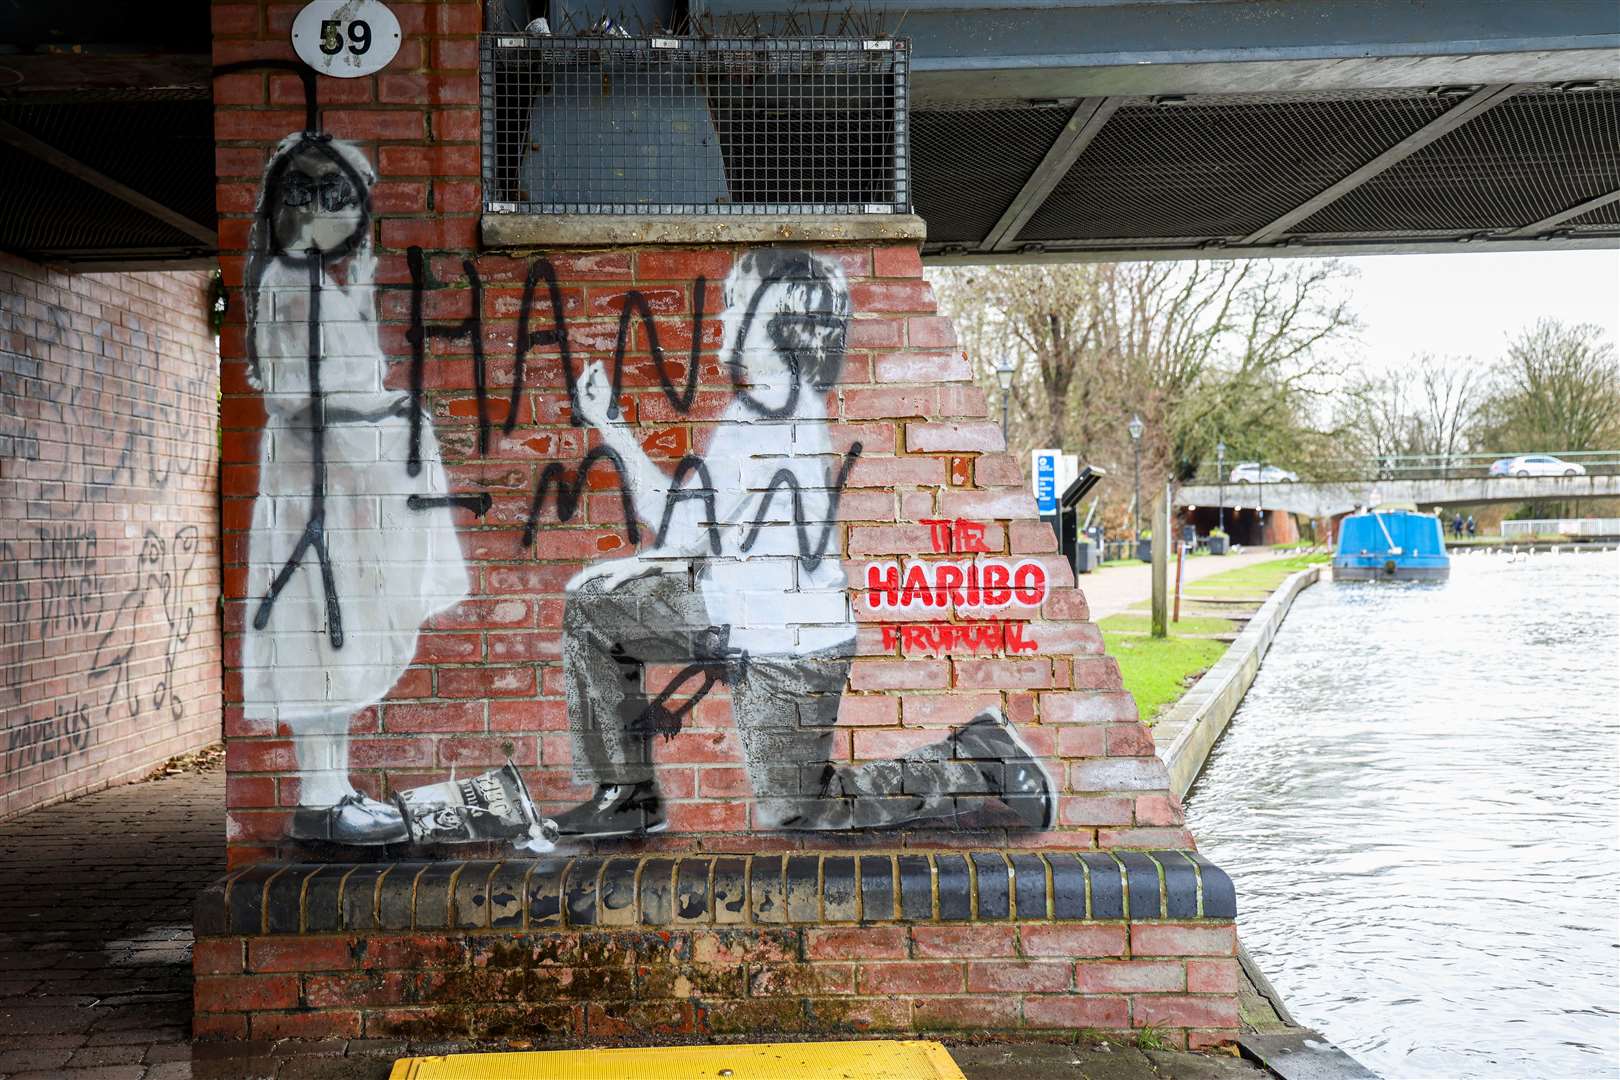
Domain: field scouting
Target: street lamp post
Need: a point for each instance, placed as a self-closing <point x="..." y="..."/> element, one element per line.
<point x="1220" y="478"/>
<point x="1136" y="427"/>
<point x="1004" y="376"/>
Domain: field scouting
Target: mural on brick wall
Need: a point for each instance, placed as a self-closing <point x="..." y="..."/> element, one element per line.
<point x="739" y="584"/>
<point x="743" y="584"/>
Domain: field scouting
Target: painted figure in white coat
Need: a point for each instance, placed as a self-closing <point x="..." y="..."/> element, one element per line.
<point x="352" y="545"/>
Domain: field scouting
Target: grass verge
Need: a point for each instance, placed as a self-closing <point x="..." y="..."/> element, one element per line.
<point x="1157" y="671"/>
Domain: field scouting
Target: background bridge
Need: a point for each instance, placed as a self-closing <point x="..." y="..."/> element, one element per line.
<point x="1328" y="499"/>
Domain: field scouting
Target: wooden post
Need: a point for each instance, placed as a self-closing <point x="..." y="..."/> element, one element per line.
<point x="1181" y="551"/>
<point x="1161" y="562"/>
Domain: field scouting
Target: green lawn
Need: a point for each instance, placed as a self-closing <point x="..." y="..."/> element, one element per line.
<point x="1189" y="624"/>
<point x="1157" y="671"/>
<point x="1256" y="578"/>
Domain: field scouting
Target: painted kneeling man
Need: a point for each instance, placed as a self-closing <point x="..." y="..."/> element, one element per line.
<point x="744" y="585"/>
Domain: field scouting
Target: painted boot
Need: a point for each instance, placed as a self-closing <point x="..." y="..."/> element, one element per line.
<point x="616" y="810"/>
<point x="1015" y="775"/>
<point x="353" y="819"/>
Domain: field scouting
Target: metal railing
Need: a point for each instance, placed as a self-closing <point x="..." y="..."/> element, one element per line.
<point x="1566" y="527"/>
<point x="1422" y="467"/>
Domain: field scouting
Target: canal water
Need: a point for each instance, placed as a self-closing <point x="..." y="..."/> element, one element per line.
<point x="1417" y="801"/>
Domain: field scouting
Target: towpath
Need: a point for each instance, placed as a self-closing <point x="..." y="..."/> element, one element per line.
<point x="1111" y="589"/>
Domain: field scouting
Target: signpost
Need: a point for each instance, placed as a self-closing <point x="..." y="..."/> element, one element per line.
<point x="1044" y="465"/>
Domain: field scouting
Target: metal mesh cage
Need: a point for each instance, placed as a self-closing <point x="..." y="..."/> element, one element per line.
<point x="602" y="125"/>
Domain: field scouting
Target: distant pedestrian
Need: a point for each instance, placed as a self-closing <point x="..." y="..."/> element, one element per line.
<point x="1456" y="526"/>
<point x="1473" y="526"/>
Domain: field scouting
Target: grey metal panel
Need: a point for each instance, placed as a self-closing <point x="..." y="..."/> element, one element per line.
<point x="1079" y="48"/>
<point x="1088" y="119"/>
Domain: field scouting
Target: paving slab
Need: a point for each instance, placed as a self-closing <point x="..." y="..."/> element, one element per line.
<point x="1302" y="1054"/>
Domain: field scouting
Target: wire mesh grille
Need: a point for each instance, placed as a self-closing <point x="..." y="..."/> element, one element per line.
<point x="971" y="163"/>
<point x="1605" y="217"/>
<point x="1534" y="155"/>
<point x="600" y="125"/>
<point x="1220" y="168"/>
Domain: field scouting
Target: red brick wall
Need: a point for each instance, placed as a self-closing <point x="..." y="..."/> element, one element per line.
<point x="486" y="679"/>
<point x="1027" y="980"/>
<point x="109" y="629"/>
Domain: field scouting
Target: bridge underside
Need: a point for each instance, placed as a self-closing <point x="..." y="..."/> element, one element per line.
<point x="1330" y="500"/>
<point x="1073" y="129"/>
<point x="1040" y="129"/>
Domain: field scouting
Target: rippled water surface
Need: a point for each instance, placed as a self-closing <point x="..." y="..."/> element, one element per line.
<point x="1417" y="801"/>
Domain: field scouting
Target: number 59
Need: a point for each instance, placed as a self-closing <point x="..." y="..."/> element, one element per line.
<point x="359" y="34"/>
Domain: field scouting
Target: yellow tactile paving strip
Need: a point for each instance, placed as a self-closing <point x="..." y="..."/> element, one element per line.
<point x="877" y="1060"/>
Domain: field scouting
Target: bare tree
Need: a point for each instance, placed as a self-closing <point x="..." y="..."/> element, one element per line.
<point x="1201" y="351"/>
<point x="1558" y="388"/>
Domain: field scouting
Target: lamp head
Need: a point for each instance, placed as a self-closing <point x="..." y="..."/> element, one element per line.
<point x="1004" y="373"/>
<point x="1136" y="427"/>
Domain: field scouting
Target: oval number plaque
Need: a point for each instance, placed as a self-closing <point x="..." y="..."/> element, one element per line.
<point x="346" y="38"/>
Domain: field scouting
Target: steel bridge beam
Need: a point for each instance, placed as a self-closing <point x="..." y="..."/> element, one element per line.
<point x="1071" y="142"/>
<point x="1481" y="101"/>
<point x="1552" y="221"/>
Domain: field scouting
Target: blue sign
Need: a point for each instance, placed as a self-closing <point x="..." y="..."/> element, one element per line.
<point x="1046" y="470"/>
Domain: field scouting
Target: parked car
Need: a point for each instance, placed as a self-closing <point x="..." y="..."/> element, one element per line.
<point x="1536" y="465"/>
<point x="1250" y="473"/>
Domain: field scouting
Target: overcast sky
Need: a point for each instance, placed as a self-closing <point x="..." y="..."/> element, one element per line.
<point x="1471" y="304"/>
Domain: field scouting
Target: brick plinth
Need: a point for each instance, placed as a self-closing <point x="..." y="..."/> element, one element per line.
<point x="655" y="948"/>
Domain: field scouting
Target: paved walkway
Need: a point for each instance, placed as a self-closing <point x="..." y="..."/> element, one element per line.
<point x="95" y="960"/>
<point x="1111" y="589"/>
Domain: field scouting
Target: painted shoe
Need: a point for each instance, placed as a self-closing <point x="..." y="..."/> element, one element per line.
<point x="354" y="819"/>
<point x="1015" y="775"/>
<point x="616" y="810"/>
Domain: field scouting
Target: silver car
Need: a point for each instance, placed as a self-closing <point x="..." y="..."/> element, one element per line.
<point x="1536" y="465"/>
<point x="1250" y="473"/>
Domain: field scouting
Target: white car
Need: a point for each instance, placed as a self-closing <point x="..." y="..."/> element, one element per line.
<point x="1536" y="465"/>
<point x="1250" y="473"/>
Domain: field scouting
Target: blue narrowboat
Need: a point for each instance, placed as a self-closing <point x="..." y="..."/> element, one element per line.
<point x="1391" y="545"/>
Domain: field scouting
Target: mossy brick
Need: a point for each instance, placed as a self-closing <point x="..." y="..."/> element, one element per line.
<point x="544" y="900"/>
<point x="877" y="888"/>
<point x="1029" y="886"/>
<point x="692" y="890"/>
<point x="245" y="900"/>
<point x="1180" y="884"/>
<point x="803" y="885"/>
<point x="730" y="900"/>
<point x="1142" y="885"/>
<point x="992" y="885"/>
<point x="1106" y="886"/>
<point x="839" y="902"/>
<point x="1219" y="898"/>
<point x="579" y="891"/>
<point x="396" y="900"/>
<point x="657" y="892"/>
<point x="767" y="898"/>
<point x="916" y="888"/>
<point x="471" y="896"/>
<point x="616" y="905"/>
<point x="284" y="899"/>
<point x="506" y="894"/>
<point x="433" y="901"/>
<point x="955" y="888"/>
<point x="359" y="899"/>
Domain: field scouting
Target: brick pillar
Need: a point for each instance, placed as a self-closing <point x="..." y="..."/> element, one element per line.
<point x="840" y="569"/>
